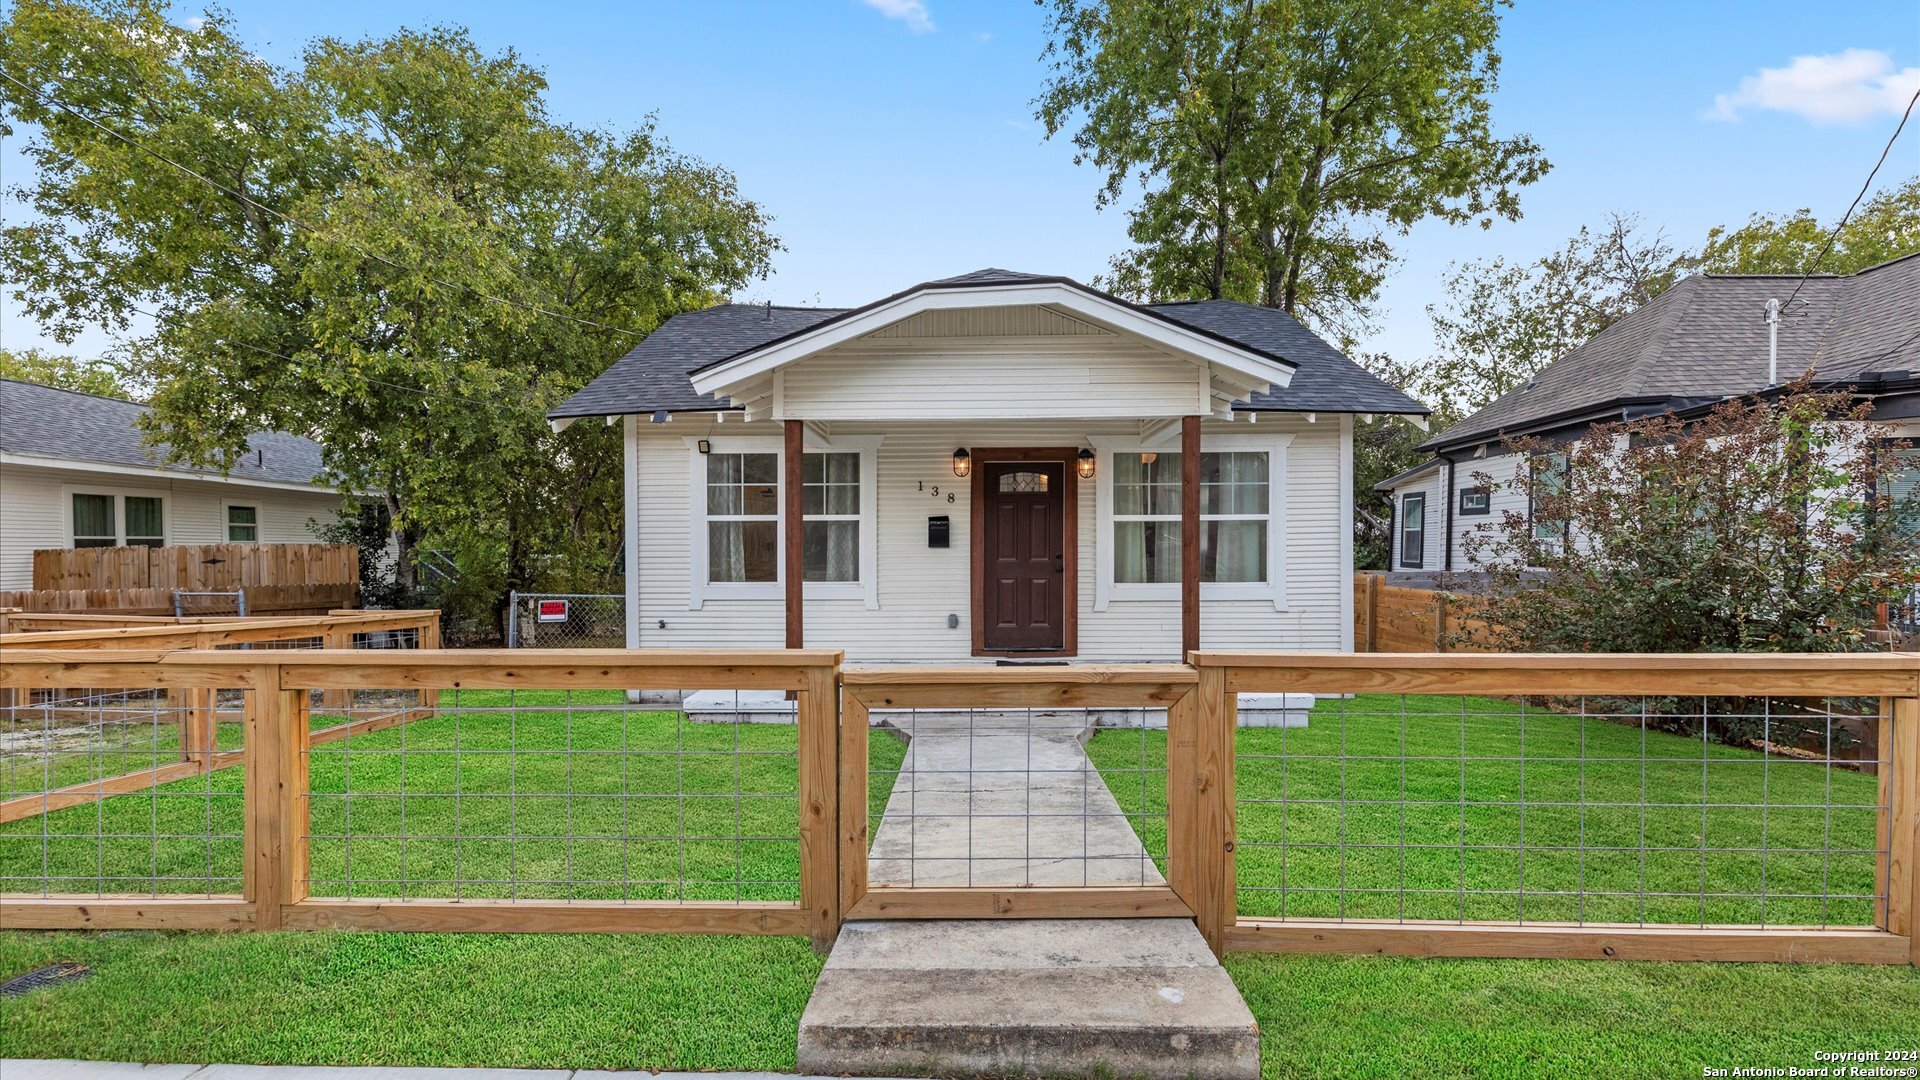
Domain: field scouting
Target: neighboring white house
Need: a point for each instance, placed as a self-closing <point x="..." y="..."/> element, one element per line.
<point x="990" y="467"/>
<point x="1699" y="343"/>
<point x="74" y="473"/>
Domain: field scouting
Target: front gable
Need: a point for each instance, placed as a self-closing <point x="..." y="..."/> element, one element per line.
<point x="1010" y="351"/>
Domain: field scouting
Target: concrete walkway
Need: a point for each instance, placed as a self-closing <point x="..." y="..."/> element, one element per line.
<point x="31" y="1069"/>
<point x="1005" y="799"/>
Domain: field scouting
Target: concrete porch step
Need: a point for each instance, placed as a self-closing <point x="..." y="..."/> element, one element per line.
<point x="1028" y="997"/>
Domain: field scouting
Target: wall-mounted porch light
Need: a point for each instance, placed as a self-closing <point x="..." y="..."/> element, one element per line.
<point x="962" y="462"/>
<point x="705" y="446"/>
<point x="1085" y="465"/>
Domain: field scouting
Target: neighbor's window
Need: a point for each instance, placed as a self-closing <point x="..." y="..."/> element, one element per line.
<point x="1475" y="502"/>
<point x="1235" y="507"/>
<point x="1413" y="530"/>
<point x="243" y="524"/>
<point x="1548" y="481"/>
<point x="144" y="528"/>
<point x="743" y="517"/>
<point x="830" y="522"/>
<point x="1902" y="483"/>
<point x="93" y="521"/>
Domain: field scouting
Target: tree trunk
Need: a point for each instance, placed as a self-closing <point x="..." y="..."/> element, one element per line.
<point x="405" y="573"/>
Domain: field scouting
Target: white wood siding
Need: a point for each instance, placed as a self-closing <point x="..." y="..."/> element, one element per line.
<point x="34" y="511"/>
<point x="1434" y="487"/>
<point x="1000" y="363"/>
<point x="919" y="587"/>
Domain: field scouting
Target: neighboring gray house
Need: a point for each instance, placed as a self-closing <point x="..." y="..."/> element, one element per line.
<point x="75" y="473"/>
<point x="1704" y="340"/>
<point x="988" y="466"/>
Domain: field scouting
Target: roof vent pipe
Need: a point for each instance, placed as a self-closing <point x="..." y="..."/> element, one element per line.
<point x="1773" y="342"/>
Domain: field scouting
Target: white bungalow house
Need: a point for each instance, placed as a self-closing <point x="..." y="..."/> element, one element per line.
<point x="994" y="467"/>
<point x="1708" y="338"/>
<point x="75" y="473"/>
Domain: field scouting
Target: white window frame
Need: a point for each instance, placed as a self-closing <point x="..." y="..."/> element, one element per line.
<point x="1274" y="589"/>
<point x="226" y="521"/>
<point x="701" y="591"/>
<point x="120" y="496"/>
<point x="1402" y="533"/>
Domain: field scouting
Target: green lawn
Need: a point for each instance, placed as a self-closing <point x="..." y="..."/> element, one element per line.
<point x="530" y="794"/>
<point x="618" y="1001"/>
<point x="1419" y="808"/>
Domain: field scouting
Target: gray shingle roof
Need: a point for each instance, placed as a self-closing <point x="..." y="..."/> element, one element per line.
<point x="42" y="421"/>
<point x="1706" y="339"/>
<point x="653" y="377"/>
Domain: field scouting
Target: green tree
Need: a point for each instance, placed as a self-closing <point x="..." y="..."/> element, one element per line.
<point x="1503" y="321"/>
<point x="390" y="247"/>
<point x="1278" y="142"/>
<point x="1886" y="226"/>
<point x="66" y="372"/>
<point x="1768" y="525"/>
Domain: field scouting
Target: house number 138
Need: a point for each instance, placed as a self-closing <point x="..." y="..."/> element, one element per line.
<point x="934" y="491"/>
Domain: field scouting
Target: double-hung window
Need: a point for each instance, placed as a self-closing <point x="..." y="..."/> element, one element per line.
<point x="1413" y="531"/>
<point x="739" y="548"/>
<point x="243" y="524"/>
<point x="104" y="520"/>
<point x="1240" y="506"/>
<point x="1547" y="484"/>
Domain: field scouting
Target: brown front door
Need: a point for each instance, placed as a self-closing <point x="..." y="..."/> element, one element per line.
<point x="1024" y="556"/>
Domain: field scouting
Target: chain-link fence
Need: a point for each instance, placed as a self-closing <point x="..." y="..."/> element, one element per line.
<point x="567" y="621"/>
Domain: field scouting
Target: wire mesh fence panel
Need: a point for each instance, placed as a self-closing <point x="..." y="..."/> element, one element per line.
<point x="1014" y="797"/>
<point x="567" y="621"/>
<point x="1685" y="811"/>
<point x="119" y="792"/>
<point x="556" y="795"/>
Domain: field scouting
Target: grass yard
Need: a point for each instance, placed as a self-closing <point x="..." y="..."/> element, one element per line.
<point x="1419" y="808"/>
<point x="618" y="1001"/>
<point x="530" y="794"/>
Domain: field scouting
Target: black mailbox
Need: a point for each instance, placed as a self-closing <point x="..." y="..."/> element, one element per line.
<point x="938" y="532"/>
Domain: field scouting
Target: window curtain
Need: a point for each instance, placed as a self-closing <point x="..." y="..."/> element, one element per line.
<point x="93" y="518"/>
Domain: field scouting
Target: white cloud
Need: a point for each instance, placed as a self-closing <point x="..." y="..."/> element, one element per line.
<point x="912" y="12"/>
<point x="1846" y="87"/>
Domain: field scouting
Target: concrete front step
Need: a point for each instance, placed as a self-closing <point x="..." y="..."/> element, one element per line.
<point x="1028" y="997"/>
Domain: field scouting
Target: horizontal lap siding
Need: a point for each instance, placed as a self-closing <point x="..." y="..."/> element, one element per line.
<point x="1017" y="377"/>
<point x="1508" y="494"/>
<point x="1434" y="487"/>
<point x="920" y="586"/>
<point x="33" y="513"/>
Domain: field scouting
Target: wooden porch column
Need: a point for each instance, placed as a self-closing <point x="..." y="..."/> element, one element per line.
<point x="794" y="509"/>
<point x="1189" y="535"/>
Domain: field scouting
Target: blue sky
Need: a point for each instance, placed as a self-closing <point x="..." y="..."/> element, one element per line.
<point x="893" y="140"/>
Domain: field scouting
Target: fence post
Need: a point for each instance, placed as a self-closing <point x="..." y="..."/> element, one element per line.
<point x="1897" y="875"/>
<point x="8" y="696"/>
<point x="428" y="637"/>
<point x="337" y="700"/>
<point x="1200" y="728"/>
<point x="1373" y="612"/>
<point x="513" y="619"/>
<point x="817" y="711"/>
<point x="276" y="797"/>
<point x="854" y="733"/>
<point x="199" y="723"/>
<point x="1439" y="622"/>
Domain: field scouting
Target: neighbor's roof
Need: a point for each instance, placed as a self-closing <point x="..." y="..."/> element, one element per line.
<point x="1405" y="475"/>
<point x="1706" y="338"/>
<point x="653" y="377"/>
<point x="47" y="422"/>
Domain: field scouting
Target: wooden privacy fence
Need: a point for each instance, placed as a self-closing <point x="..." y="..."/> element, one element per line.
<point x="1394" y="619"/>
<point x="277" y="578"/>
<point x="1465" y="805"/>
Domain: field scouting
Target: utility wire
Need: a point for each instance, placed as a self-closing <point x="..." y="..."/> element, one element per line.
<point x="255" y="203"/>
<point x="1864" y="187"/>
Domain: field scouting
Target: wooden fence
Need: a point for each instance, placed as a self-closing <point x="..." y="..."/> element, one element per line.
<point x="277" y="578"/>
<point x="1394" y="619"/>
<point x="1205" y="763"/>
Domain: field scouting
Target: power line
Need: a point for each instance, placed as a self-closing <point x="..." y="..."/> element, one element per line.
<point x="1864" y="187"/>
<point x="251" y="201"/>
